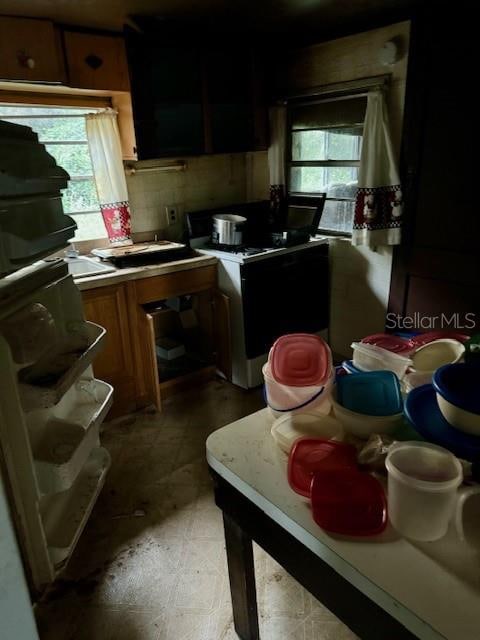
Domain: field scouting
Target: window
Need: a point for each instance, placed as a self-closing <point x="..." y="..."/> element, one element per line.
<point x="326" y="141"/>
<point x="62" y="130"/>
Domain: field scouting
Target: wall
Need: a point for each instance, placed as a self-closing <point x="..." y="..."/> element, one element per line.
<point x="209" y="181"/>
<point x="360" y="278"/>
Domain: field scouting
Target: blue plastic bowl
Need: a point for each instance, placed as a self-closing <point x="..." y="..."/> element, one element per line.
<point x="459" y="384"/>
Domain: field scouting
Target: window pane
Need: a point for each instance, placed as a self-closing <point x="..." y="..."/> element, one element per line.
<point x="54" y="128"/>
<point x="74" y="158"/>
<point x="90" y="226"/>
<point x="17" y="110"/>
<point x="327" y="144"/>
<point x="337" y="182"/>
<point x="80" y="196"/>
<point x="338" y="216"/>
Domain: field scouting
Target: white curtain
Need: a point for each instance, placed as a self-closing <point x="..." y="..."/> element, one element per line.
<point x="276" y="154"/>
<point x="378" y="206"/>
<point x="106" y="153"/>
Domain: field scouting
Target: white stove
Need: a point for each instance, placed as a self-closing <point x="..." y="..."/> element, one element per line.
<point x="271" y="292"/>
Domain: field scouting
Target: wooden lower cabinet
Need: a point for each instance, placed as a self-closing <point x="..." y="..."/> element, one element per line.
<point x="107" y="306"/>
<point x="136" y="315"/>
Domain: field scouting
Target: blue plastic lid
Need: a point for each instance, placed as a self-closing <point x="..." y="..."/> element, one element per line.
<point x="459" y="384"/>
<point x="422" y="410"/>
<point x="373" y="393"/>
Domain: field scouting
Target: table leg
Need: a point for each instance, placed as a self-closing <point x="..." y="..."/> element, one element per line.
<point x="242" y="580"/>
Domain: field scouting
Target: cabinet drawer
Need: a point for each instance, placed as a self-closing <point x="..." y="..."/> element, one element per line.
<point x="175" y="284"/>
<point x="96" y="61"/>
<point x="29" y="51"/>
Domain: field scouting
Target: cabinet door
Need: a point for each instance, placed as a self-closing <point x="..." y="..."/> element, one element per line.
<point x="107" y="307"/>
<point x="167" y="97"/>
<point x="228" y="75"/>
<point x="436" y="270"/>
<point x="29" y="51"/>
<point x="96" y="61"/>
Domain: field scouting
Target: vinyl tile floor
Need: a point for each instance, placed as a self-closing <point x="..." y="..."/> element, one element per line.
<point x="151" y="564"/>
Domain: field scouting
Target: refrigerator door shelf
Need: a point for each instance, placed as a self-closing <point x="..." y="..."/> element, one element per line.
<point x="31" y="229"/>
<point x="69" y="436"/>
<point x="64" y="515"/>
<point x="43" y="384"/>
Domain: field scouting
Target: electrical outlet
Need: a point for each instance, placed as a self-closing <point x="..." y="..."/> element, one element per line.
<point x="172" y="214"/>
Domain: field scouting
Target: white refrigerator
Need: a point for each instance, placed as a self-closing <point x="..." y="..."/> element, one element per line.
<point x="52" y="465"/>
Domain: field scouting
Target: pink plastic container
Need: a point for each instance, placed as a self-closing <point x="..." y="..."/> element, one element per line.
<point x="299" y="375"/>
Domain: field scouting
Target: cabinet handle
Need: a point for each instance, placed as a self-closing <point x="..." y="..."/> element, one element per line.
<point x="25" y="60"/>
<point x="93" y="61"/>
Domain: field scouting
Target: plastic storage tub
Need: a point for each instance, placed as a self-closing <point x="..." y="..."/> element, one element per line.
<point x="290" y="427"/>
<point x="299" y="374"/>
<point x="286" y="399"/>
<point x="361" y="425"/>
<point x="374" y="393"/>
<point x="369" y="357"/>
<point x="458" y="396"/>
<point x="422" y="485"/>
<point x="390" y="342"/>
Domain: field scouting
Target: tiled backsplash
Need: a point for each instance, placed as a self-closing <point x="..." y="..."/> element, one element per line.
<point x="207" y="182"/>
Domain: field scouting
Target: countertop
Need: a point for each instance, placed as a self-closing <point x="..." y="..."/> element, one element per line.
<point x="136" y="273"/>
<point x="433" y="588"/>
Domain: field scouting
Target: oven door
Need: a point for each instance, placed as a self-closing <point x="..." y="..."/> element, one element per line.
<point x="284" y="294"/>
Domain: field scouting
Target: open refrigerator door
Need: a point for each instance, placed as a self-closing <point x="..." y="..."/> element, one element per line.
<point x="51" y="405"/>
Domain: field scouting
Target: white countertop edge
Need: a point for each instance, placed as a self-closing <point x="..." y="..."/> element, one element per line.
<point x="409" y="620"/>
<point x="147" y="271"/>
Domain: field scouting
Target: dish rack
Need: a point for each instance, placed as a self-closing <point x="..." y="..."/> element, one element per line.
<point x="53" y="408"/>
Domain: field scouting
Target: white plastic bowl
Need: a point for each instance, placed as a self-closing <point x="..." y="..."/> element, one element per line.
<point x="369" y="357"/>
<point x="432" y="356"/>
<point x="290" y="427"/>
<point x="459" y="418"/>
<point x="361" y="425"/>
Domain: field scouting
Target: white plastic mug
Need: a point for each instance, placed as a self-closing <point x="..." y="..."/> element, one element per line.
<point x="423" y="481"/>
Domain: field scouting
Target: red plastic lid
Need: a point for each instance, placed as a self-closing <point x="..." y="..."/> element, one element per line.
<point x="395" y="344"/>
<point x="425" y="338"/>
<point x="348" y="502"/>
<point x="300" y="360"/>
<point x="309" y="455"/>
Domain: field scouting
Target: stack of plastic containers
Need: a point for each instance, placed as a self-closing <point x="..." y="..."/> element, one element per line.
<point x="299" y="375"/>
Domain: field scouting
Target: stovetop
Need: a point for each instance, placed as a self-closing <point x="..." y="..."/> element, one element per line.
<point x="243" y="254"/>
<point x="239" y="249"/>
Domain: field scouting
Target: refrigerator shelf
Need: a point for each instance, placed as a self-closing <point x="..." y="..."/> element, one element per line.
<point x="43" y="384"/>
<point x="65" y="514"/>
<point x="70" y="434"/>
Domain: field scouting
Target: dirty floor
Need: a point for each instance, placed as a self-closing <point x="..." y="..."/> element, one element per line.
<point x="151" y="562"/>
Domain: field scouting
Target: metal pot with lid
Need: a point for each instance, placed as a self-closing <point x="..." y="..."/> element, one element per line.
<point x="228" y="229"/>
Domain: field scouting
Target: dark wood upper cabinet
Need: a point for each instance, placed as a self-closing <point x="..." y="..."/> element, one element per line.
<point x="30" y="51"/>
<point x="96" y="61"/>
<point x="167" y="96"/>
<point x="190" y="98"/>
<point x="229" y="97"/>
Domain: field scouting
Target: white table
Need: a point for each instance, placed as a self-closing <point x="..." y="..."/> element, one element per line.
<point x="383" y="587"/>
